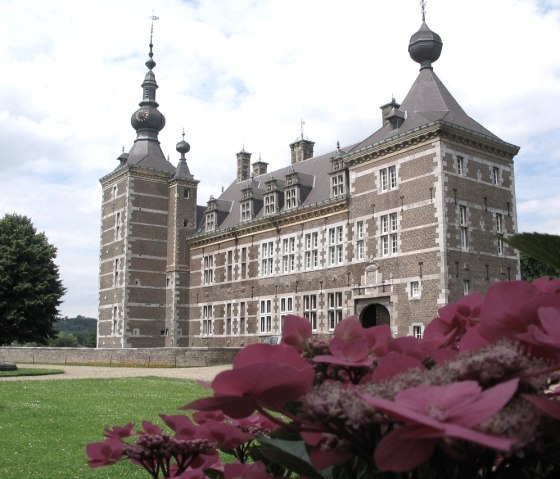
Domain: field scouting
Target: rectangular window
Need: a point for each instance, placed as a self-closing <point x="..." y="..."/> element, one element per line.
<point x="267" y="258"/>
<point x="229" y="266"/>
<point x="388" y="178"/>
<point x="242" y="313"/>
<point x="207" y="320"/>
<point x="286" y="307"/>
<point x="360" y="230"/>
<point x="495" y="175"/>
<point x="310" y="310"/>
<point x="243" y="268"/>
<point x="415" y="289"/>
<point x="336" y="246"/>
<point x="288" y="255"/>
<point x="291" y="198"/>
<point x="460" y="165"/>
<point x="462" y="215"/>
<point x="499" y="222"/>
<point x="311" y="250"/>
<point x="266" y="316"/>
<point x="466" y="287"/>
<point x="334" y="302"/>
<point x="114" y="327"/>
<point x="360" y="250"/>
<point x="116" y="273"/>
<point x="269" y="204"/>
<point x="417" y="331"/>
<point x="210" y="221"/>
<point x="500" y="246"/>
<point x="337" y="185"/>
<point x="246" y="211"/>
<point x="186" y="193"/>
<point x="117" y="226"/>
<point x="208" y="265"/>
<point x="389" y="234"/>
<point x="464" y="238"/>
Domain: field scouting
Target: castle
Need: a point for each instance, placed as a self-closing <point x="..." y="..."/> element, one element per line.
<point x="389" y="229"/>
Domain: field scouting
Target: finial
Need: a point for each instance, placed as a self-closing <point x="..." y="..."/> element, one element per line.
<point x="301" y="123"/>
<point x="123" y="149"/>
<point x="423" y="7"/>
<point x="338" y="146"/>
<point x="151" y="63"/>
<point x="183" y="133"/>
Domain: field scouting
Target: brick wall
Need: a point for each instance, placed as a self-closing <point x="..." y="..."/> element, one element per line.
<point x="151" y="357"/>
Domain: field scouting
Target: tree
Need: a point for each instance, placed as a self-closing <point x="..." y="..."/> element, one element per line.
<point x="30" y="287"/>
<point x="64" y="340"/>
<point x="532" y="268"/>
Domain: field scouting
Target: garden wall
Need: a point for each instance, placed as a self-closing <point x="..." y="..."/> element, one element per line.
<point x="145" y="357"/>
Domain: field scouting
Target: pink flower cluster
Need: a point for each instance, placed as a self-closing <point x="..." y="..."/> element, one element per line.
<point x="473" y="398"/>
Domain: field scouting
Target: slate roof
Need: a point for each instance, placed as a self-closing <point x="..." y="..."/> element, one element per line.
<point x="428" y="100"/>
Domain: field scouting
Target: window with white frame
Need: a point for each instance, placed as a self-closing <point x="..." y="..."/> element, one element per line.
<point x="114" y="329"/>
<point x="417" y="330"/>
<point x="334" y="302"/>
<point x="229" y="265"/>
<point x="207" y="320"/>
<point x="462" y="215"/>
<point x="116" y="273"/>
<point x="267" y="258"/>
<point x="286" y="307"/>
<point x="311" y="250"/>
<point x="288" y="255"/>
<point x="310" y="309"/>
<point x="415" y="289"/>
<point x="242" y="314"/>
<point x="265" y="316"/>
<point x="464" y="237"/>
<point x="499" y="222"/>
<point x="228" y="319"/>
<point x="389" y="234"/>
<point x="337" y="184"/>
<point x="210" y="221"/>
<point x="336" y="245"/>
<point x="360" y="250"/>
<point x="114" y="192"/>
<point x="291" y="198"/>
<point x="243" y="263"/>
<point x="500" y="246"/>
<point x="246" y="211"/>
<point x="388" y="178"/>
<point x="208" y="268"/>
<point x="466" y="287"/>
<point x="270" y="204"/>
<point x="460" y="165"/>
<point x="495" y="175"/>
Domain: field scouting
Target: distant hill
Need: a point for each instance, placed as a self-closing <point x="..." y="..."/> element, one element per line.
<point x="79" y="325"/>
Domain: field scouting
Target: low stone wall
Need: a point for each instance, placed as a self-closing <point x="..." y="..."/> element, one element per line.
<point x="146" y="357"/>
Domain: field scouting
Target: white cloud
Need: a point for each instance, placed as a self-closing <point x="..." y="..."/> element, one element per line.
<point x="243" y="73"/>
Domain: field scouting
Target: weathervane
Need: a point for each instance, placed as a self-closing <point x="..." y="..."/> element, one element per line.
<point x="301" y="123"/>
<point x="152" y="17"/>
<point x="423" y="7"/>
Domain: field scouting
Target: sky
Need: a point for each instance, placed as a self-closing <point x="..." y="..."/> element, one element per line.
<point x="243" y="74"/>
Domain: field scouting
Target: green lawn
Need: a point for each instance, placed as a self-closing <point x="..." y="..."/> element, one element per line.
<point x="45" y="425"/>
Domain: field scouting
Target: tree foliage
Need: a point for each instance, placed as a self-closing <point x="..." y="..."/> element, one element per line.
<point x="30" y="287"/>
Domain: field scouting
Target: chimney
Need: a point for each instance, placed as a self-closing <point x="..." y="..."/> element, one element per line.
<point x="259" y="167"/>
<point x="386" y="109"/>
<point x="302" y="149"/>
<point x="243" y="165"/>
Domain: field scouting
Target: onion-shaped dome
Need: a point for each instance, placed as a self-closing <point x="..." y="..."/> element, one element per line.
<point x="425" y="46"/>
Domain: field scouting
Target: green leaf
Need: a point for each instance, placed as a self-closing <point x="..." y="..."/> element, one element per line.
<point x="290" y="454"/>
<point x="541" y="246"/>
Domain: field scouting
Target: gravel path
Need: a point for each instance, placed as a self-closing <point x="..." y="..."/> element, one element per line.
<point x="82" y="372"/>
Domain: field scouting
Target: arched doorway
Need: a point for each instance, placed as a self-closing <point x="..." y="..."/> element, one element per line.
<point x="374" y="315"/>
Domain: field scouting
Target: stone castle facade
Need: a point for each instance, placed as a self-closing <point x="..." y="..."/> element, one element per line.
<point x="389" y="229"/>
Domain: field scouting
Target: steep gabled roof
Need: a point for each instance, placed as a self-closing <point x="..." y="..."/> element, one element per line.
<point x="428" y="100"/>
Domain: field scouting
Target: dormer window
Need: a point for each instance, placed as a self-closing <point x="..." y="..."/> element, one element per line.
<point x="291" y="198"/>
<point x="210" y="222"/>
<point x="337" y="185"/>
<point x="246" y="211"/>
<point x="270" y="204"/>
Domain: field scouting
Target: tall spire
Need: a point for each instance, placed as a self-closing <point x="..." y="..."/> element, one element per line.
<point x="147" y="120"/>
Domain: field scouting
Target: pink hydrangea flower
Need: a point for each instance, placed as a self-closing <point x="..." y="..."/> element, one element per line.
<point x="545" y="335"/>
<point x="263" y="376"/>
<point x="256" y="470"/>
<point x="104" y="453"/>
<point x="296" y="331"/>
<point x="432" y="413"/>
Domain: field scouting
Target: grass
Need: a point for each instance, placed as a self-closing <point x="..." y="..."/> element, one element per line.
<point x="45" y="425"/>
<point x="30" y="372"/>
